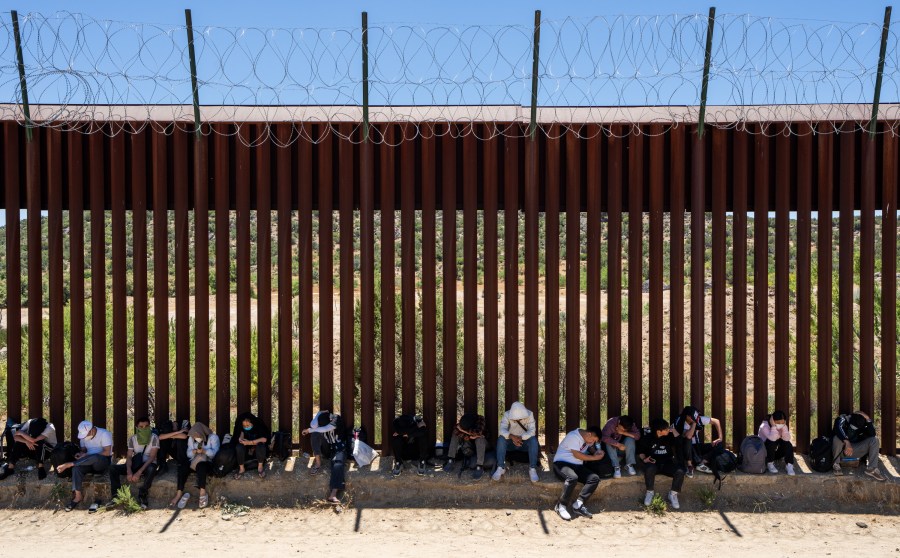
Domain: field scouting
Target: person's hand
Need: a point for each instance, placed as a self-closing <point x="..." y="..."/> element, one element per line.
<point x="79" y="455"/>
<point x="600" y="455"/>
<point x="848" y="448"/>
<point x="717" y="441"/>
<point x="620" y="447"/>
<point x="305" y="432"/>
<point x="620" y="429"/>
<point x="649" y="459"/>
<point x="30" y="445"/>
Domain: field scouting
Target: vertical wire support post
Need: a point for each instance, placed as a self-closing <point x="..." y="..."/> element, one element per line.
<point x="26" y="109"/>
<point x="711" y="24"/>
<point x="196" y="93"/>
<point x="885" y="30"/>
<point x="365" y="72"/>
<point x="532" y="127"/>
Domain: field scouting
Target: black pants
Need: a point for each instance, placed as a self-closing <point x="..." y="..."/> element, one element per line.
<point x="137" y="461"/>
<point x="779" y="449"/>
<point x="258" y="451"/>
<point x="20" y="451"/>
<point x="571" y="475"/>
<point x="204" y="469"/>
<point x="413" y="447"/>
<point x="671" y="469"/>
<point x="693" y="452"/>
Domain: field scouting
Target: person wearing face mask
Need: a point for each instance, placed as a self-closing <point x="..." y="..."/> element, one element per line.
<point x="854" y="436"/>
<point x="202" y="446"/>
<point x="140" y="461"/>
<point x="776" y="434"/>
<point x="251" y="440"/>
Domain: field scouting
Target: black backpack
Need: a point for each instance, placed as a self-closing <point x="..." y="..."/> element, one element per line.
<point x="281" y="444"/>
<point x="64" y="453"/>
<point x="602" y="468"/>
<point x="225" y="460"/>
<point x="722" y="461"/>
<point x="820" y="458"/>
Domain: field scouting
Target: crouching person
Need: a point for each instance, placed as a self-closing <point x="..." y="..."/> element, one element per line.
<point x="143" y="450"/>
<point x="568" y="465"/>
<point x="689" y="427"/>
<point x="252" y="440"/>
<point x="328" y="437"/>
<point x="94" y="457"/>
<point x="620" y="434"/>
<point x="34" y="439"/>
<point x="854" y="436"/>
<point x="517" y="433"/>
<point x="202" y="446"/>
<point x="470" y="430"/>
<point x="661" y="454"/>
<point x="776" y="435"/>
<point x="409" y="441"/>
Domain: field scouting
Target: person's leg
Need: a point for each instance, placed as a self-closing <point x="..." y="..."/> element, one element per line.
<point x="240" y="452"/>
<point x="202" y="471"/>
<point x="629" y="451"/>
<point x="772" y="451"/>
<point x="870" y="447"/>
<point x="534" y="451"/>
<point x="590" y="479"/>
<point x="502" y="445"/>
<point x="184" y="470"/>
<point x="422" y="445"/>
<point x="480" y="449"/>
<point x="337" y="471"/>
<point x="397" y="447"/>
<point x="84" y="466"/>
<point x="787" y="452"/>
<point x="837" y="450"/>
<point x="115" y="478"/>
<point x="454" y="447"/>
<point x="613" y="454"/>
<point x="687" y="449"/>
<point x="677" y="473"/>
<point x="566" y="473"/>
<point x="650" y="471"/>
<point x="149" y="474"/>
<point x="260" y="451"/>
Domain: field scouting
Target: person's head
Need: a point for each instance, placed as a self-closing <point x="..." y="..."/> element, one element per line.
<point x="690" y="414"/>
<point x="37" y="426"/>
<point x="86" y="430"/>
<point x="405" y="425"/>
<point x="778" y="419"/>
<point x="324" y="419"/>
<point x="857" y="421"/>
<point x="626" y="422"/>
<point x="247" y="424"/>
<point x="468" y="421"/>
<point x="142" y="424"/>
<point x="660" y="427"/>
<point x="518" y="411"/>
<point x="592" y="434"/>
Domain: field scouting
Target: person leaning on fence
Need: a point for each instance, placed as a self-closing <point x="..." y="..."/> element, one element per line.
<point x="776" y="435"/>
<point x="568" y="465"/>
<point x="141" y="461"/>
<point x="517" y="433"/>
<point x="409" y="441"/>
<point x="202" y="446"/>
<point x="34" y="439"/>
<point x="620" y="434"/>
<point x="94" y="457"/>
<point x="854" y="436"/>
<point x="328" y="434"/>
<point x="689" y="425"/>
<point x="661" y="454"/>
<point x="252" y="439"/>
<point x="470" y="430"/>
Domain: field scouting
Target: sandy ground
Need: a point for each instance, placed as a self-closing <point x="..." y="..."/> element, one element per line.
<point x="473" y="532"/>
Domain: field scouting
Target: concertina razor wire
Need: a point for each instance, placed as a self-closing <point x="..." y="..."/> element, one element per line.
<point x="95" y="76"/>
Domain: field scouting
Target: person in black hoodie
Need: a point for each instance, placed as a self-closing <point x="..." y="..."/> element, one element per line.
<point x="661" y="453"/>
<point x="251" y="438"/>
<point x="409" y="441"/>
<point x="854" y="436"/>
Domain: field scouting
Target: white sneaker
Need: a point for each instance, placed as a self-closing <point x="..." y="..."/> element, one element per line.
<point x="673" y="499"/>
<point x="618" y="473"/>
<point x="631" y="471"/>
<point x="648" y="498"/>
<point x="498" y="474"/>
<point x="532" y="472"/>
<point x="771" y="467"/>
<point x="790" y="469"/>
<point x="563" y="512"/>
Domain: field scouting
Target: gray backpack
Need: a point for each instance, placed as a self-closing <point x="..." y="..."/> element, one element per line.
<point x="753" y="455"/>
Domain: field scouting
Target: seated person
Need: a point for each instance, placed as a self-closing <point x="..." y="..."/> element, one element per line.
<point x="34" y="439"/>
<point x="661" y="454"/>
<point x="202" y="446"/>
<point x="409" y="441"/>
<point x="517" y="433"/>
<point x="689" y="427"/>
<point x="568" y="465"/>
<point x="776" y="436"/>
<point x="94" y="457"/>
<point x="143" y="450"/>
<point x="172" y="443"/>
<point x="470" y="430"/>
<point x="620" y="434"/>
<point x="252" y="439"/>
<point x="854" y="436"/>
<point x="328" y="437"/>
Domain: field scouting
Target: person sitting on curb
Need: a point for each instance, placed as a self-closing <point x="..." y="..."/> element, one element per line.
<point x="776" y="435"/>
<point x="252" y="439"/>
<point x="621" y="434"/>
<point x="854" y="436"/>
<point x="202" y="446"/>
<point x="689" y="426"/>
<point x="661" y="454"/>
<point x="34" y="439"/>
<point x="471" y="429"/>
<point x="143" y="450"/>
<point x="328" y="434"/>
<point x="94" y="457"/>
<point x="517" y="433"/>
<point x="568" y="465"/>
<point x="409" y="441"/>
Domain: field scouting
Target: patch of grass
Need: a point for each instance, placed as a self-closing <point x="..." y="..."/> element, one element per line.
<point x="657" y="506"/>
<point x="60" y="492"/>
<point x="230" y="510"/>
<point x="707" y="496"/>
<point x="125" y="501"/>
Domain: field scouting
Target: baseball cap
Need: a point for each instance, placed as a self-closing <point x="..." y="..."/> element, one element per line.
<point x="84" y="429"/>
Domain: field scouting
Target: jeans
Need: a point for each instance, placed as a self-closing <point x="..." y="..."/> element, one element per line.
<point x="629" y="451"/>
<point x="20" y="450"/>
<point x="480" y="448"/>
<point x="530" y="445"/>
<point x="204" y="469"/>
<point x="259" y="451"/>
<point x="571" y="475"/>
<point x="95" y="463"/>
<point x="137" y="462"/>
<point x="867" y="448"/>
<point x="671" y="469"/>
<point x="415" y="445"/>
<point x="337" y="471"/>
<point x="779" y="449"/>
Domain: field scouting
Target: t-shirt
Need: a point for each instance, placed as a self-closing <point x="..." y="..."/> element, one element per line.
<point x="573" y="441"/>
<point x="100" y="440"/>
<point x="49" y="432"/>
<point x="701" y="421"/>
<point x="663" y="450"/>
<point x="138" y="449"/>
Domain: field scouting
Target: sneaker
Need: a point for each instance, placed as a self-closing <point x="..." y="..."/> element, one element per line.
<point x="836" y="469"/>
<point x="583" y="511"/>
<point x="478" y="472"/>
<point x="875" y="474"/>
<point x="144" y="503"/>
<point x="617" y="474"/>
<point x="448" y="466"/>
<point x="630" y="470"/>
<point x="420" y="470"/>
<point x="563" y="512"/>
<point x="771" y="467"/>
<point x="673" y="499"/>
<point x="498" y="474"/>
<point x="42" y="473"/>
<point x="398" y="468"/>
<point x="533" y="474"/>
<point x="690" y="472"/>
<point x="790" y="469"/>
<point x="648" y="497"/>
<point x="704" y="468"/>
<point x="6" y="472"/>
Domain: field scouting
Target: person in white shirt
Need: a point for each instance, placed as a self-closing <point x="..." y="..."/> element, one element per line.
<point x="140" y="461"/>
<point x="776" y="435"/>
<point x="689" y="426"/>
<point x="327" y="433"/>
<point x="94" y="457"/>
<point x="568" y="465"/>
<point x="202" y="446"/>
<point x="34" y="439"/>
<point x="517" y="433"/>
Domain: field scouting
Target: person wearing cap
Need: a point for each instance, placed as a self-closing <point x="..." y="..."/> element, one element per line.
<point x="689" y="426"/>
<point x="202" y="446"/>
<point x="94" y="457"/>
<point x="409" y="441"/>
<point x="568" y="466"/>
<point x="327" y="432"/>
<point x="34" y="439"/>
<point x="470" y="430"/>
<point x="517" y="433"/>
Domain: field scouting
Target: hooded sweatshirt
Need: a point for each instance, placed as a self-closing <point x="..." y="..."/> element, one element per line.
<point x="770" y="433"/>
<point x="210" y="441"/>
<point x="518" y="421"/>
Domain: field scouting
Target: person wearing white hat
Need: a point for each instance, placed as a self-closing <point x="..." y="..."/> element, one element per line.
<point x="94" y="457"/>
<point x="517" y="433"/>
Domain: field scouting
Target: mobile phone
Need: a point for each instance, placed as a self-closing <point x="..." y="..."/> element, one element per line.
<point x="651" y="460"/>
